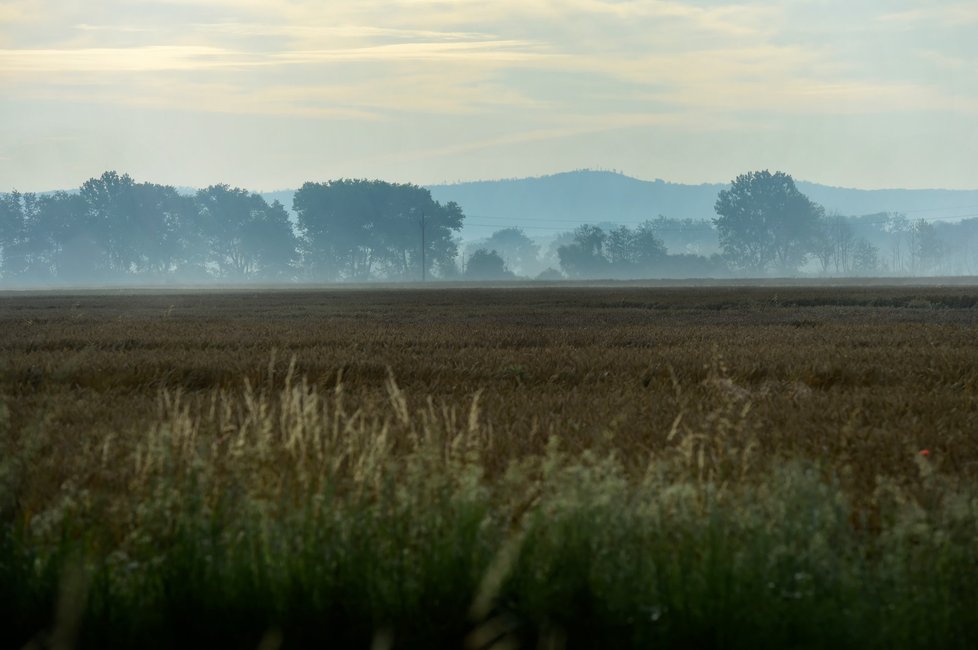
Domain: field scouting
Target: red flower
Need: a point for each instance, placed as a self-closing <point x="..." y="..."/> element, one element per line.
<point x="924" y="452"/>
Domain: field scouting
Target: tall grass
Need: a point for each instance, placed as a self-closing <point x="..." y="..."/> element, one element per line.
<point x="285" y="514"/>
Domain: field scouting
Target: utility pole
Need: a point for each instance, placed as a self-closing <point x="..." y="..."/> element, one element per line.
<point x="422" y="248"/>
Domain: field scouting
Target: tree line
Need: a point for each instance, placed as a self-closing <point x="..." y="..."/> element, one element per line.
<point x="766" y="226"/>
<point x="116" y="229"/>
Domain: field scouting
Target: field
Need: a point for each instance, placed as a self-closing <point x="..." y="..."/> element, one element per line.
<point x="596" y="466"/>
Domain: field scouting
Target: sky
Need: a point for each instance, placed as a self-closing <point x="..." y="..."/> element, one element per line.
<point x="269" y="94"/>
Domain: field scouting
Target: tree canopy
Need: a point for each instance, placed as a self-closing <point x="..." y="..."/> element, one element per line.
<point x="622" y="252"/>
<point x="765" y="224"/>
<point x="245" y="236"/>
<point x="115" y="229"/>
<point x="355" y="229"/>
<point x="519" y="252"/>
<point x="487" y="265"/>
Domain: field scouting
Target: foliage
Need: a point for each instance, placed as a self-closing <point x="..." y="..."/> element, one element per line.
<point x="113" y="229"/>
<point x="519" y="252"/>
<point x="486" y="265"/>
<point x="639" y="249"/>
<point x="355" y="229"/>
<point x="764" y="223"/>
<point x="865" y="258"/>
<point x="22" y="247"/>
<point x="585" y="257"/>
<point x="138" y="227"/>
<point x="246" y="237"/>
<point x="834" y="244"/>
<point x="629" y="253"/>
<point x="926" y="247"/>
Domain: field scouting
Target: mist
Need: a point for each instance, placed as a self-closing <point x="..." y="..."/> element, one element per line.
<point x="116" y="231"/>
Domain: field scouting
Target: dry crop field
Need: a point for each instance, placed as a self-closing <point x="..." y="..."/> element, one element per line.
<point x="725" y="466"/>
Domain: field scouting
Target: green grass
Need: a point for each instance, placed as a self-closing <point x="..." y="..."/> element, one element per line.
<point x="295" y="519"/>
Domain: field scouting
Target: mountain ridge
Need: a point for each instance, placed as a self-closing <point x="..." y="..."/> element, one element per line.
<point x="562" y="200"/>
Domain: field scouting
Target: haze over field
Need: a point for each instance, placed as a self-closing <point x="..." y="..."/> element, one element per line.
<point x="267" y="95"/>
<point x="553" y="203"/>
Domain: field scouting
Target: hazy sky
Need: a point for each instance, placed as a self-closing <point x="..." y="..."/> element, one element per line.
<point x="268" y="94"/>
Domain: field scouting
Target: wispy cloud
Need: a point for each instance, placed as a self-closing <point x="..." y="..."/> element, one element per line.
<point x="19" y="11"/>
<point x="349" y="31"/>
<point x="131" y="59"/>
<point x="954" y="14"/>
<point x="565" y="127"/>
<point x="945" y="61"/>
<point x="505" y="73"/>
<point x="200" y="58"/>
<point x="126" y="29"/>
<point x="492" y="51"/>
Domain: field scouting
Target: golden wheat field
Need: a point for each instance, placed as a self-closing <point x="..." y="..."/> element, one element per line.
<point x="487" y="413"/>
<point x="862" y="378"/>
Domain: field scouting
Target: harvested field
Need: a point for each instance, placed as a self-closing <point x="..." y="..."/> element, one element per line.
<point x="716" y="466"/>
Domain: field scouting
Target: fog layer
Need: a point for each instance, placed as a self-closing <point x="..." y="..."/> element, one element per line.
<point x="115" y="230"/>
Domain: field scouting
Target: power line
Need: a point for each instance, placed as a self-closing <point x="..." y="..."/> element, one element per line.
<point x="952" y="216"/>
<point x="694" y="220"/>
<point x="959" y="207"/>
<point x="855" y="221"/>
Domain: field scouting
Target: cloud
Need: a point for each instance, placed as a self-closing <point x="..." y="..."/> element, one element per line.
<point x="566" y="127"/>
<point x="348" y="31"/>
<point x="504" y="73"/>
<point x="957" y="14"/>
<point x="131" y="59"/>
<point x="20" y="11"/>
<point x="468" y="52"/>
<point x="944" y="61"/>
<point x="192" y="58"/>
<point x="129" y="29"/>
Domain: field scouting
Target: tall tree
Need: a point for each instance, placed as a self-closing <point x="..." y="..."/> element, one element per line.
<point x="648" y="250"/>
<point x="865" y="257"/>
<point x="487" y="265"/>
<point x="110" y="223"/>
<point x="833" y="244"/>
<point x="519" y="251"/>
<point x="247" y="237"/>
<point x="38" y="237"/>
<point x="165" y="235"/>
<point x="358" y="229"/>
<point x="927" y="249"/>
<point x="140" y="228"/>
<point x="15" y="216"/>
<point x="896" y="229"/>
<point x="64" y="242"/>
<point x="766" y="224"/>
<point x="585" y="256"/>
<point x="619" y="247"/>
<point x="634" y="253"/>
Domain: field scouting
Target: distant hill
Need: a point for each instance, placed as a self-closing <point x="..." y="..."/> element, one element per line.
<point x="549" y="204"/>
<point x="926" y="204"/>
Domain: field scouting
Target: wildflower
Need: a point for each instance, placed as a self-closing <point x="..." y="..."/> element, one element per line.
<point x="924" y="452"/>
